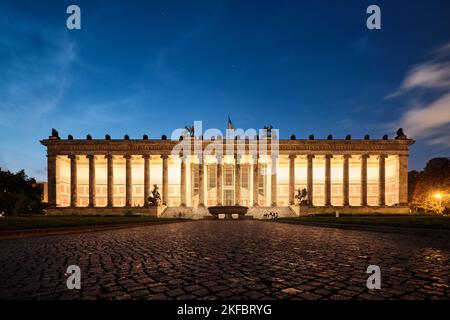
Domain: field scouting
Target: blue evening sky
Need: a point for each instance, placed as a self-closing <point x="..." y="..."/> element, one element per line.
<point x="152" y="66"/>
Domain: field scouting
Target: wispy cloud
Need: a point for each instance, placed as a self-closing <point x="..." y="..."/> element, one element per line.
<point x="430" y="120"/>
<point x="429" y="75"/>
<point x="426" y="121"/>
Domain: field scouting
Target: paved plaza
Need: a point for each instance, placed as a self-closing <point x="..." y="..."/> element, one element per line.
<point x="226" y="260"/>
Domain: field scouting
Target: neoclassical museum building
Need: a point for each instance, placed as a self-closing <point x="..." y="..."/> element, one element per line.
<point x="116" y="176"/>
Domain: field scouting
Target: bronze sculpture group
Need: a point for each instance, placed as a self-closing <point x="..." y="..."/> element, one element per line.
<point x="155" y="198"/>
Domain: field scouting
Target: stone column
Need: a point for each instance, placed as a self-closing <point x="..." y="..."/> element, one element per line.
<point x="165" y="179"/>
<point x="292" y="178"/>
<point x="382" y="180"/>
<point x="237" y="181"/>
<point x="403" y="179"/>
<point x="73" y="180"/>
<point x="346" y="180"/>
<point x="110" y="179"/>
<point x="364" y="179"/>
<point x="328" y="180"/>
<point x="219" y="180"/>
<point x="128" y="181"/>
<point x="51" y="178"/>
<point x="91" y="180"/>
<point x="201" y="182"/>
<point x="255" y="181"/>
<point x="273" y="182"/>
<point x="183" y="160"/>
<point x="310" y="182"/>
<point x="146" y="178"/>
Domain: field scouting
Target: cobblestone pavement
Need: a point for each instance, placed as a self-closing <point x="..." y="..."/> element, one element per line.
<point x="226" y="260"/>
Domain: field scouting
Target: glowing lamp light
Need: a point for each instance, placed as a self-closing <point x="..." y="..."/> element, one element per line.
<point x="439" y="197"/>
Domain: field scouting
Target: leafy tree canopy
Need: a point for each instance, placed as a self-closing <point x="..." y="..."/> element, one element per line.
<point x="432" y="180"/>
<point x="19" y="193"/>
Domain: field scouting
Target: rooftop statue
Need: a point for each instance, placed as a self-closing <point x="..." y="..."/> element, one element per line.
<point x="55" y="133"/>
<point x="400" y="134"/>
<point x="269" y="130"/>
<point x="189" y="130"/>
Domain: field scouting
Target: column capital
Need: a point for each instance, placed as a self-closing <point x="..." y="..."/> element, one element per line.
<point x="72" y="156"/>
<point x="310" y="156"/>
<point x="328" y="156"/>
<point x="292" y="156"/>
<point x="145" y="156"/>
<point x="347" y="156"/>
<point x="90" y="156"/>
<point x="109" y="156"/>
<point x="127" y="156"/>
<point x="384" y="156"/>
<point x="164" y="156"/>
<point x="365" y="156"/>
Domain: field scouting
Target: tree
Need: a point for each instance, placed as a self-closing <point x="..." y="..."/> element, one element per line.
<point x="426" y="184"/>
<point x="413" y="177"/>
<point x="19" y="193"/>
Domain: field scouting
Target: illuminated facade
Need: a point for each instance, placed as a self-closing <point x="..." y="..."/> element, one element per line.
<point x="116" y="175"/>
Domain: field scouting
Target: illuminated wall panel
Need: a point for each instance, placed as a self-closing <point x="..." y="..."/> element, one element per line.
<point x="211" y="183"/>
<point x="283" y="181"/>
<point x="82" y="181"/>
<point x="137" y="181"/>
<point x="337" y="176"/>
<point x="392" y="180"/>
<point x="62" y="181"/>
<point x="301" y="173"/>
<point x="119" y="192"/>
<point x="372" y="180"/>
<point x="355" y="181"/>
<point x="245" y="184"/>
<point x="174" y="181"/>
<point x="101" y="184"/>
<point x="319" y="181"/>
<point x="264" y="183"/>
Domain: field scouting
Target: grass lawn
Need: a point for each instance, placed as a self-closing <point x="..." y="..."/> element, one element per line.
<point x="39" y="222"/>
<point x="431" y="222"/>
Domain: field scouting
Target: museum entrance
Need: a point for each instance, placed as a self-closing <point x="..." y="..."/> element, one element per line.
<point x="228" y="197"/>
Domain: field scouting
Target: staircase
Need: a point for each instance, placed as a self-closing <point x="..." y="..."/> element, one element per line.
<point x="258" y="212"/>
<point x="184" y="212"/>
